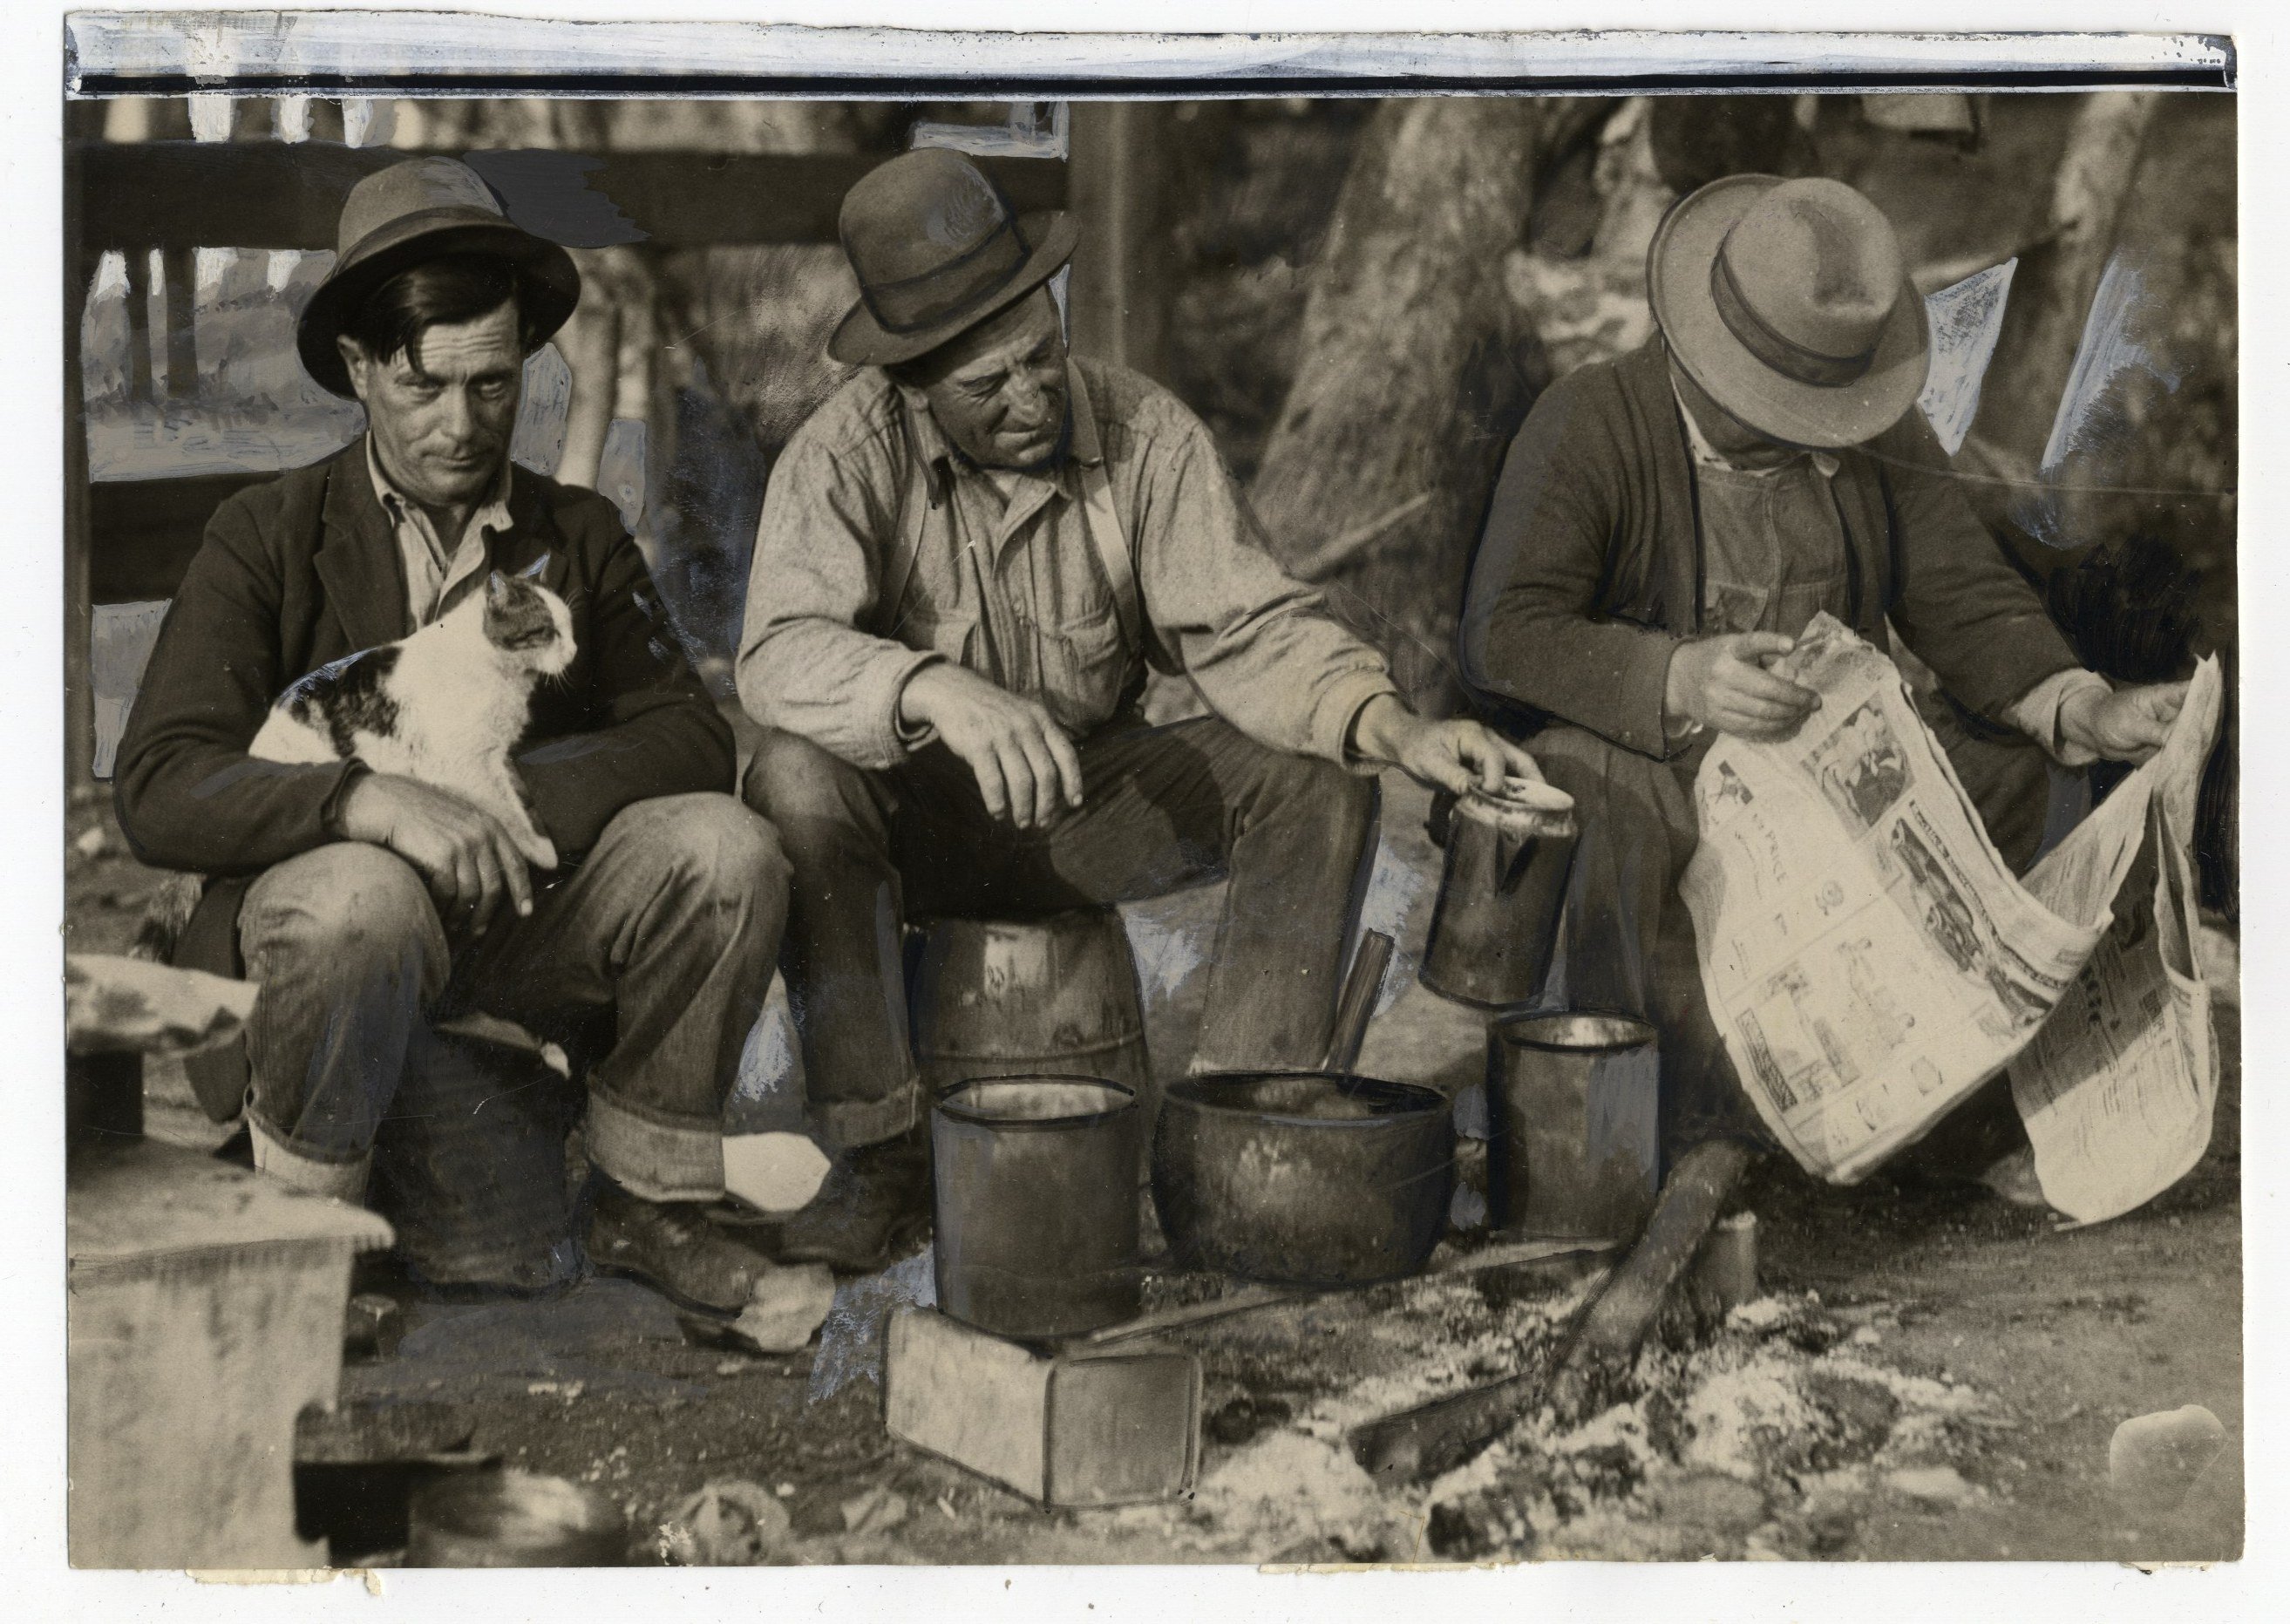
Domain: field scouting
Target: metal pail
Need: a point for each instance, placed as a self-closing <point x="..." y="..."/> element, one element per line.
<point x="1574" y="1103"/>
<point x="1035" y="1193"/>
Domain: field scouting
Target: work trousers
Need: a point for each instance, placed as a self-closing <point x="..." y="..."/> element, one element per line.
<point x="1163" y="808"/>
<point x="670" y="925"/>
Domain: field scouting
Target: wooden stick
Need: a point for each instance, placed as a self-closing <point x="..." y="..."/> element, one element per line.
<point x="1184" y="1316"/>
<point x="1357" y="1004"/>
<point x="1443" y="1435"/>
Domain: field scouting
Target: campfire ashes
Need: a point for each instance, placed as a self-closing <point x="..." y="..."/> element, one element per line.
<point x="1772" y="1434"/>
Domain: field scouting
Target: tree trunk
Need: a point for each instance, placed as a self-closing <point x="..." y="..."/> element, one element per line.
<point x="1416" y="370"/>
<point x="2051" y="300"/>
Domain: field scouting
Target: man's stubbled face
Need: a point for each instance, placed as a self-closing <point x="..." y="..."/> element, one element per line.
<point x="1728" y="435"/>
<point x="442" y="418"/>
<point x="998" y="391"/>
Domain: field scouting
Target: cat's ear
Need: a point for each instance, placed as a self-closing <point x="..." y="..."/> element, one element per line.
<point x="496" y="588"/>
<point x="531" y="571"/>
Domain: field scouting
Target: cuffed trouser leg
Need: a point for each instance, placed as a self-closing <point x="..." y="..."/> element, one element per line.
<point x="674" y="920"/>
<point x="349" y="952"/>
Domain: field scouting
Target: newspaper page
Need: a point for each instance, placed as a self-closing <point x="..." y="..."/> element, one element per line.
<point x="2116" y="1089"/>
<point x="1868" y="956"/>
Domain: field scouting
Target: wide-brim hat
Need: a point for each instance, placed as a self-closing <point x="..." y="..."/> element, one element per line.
<point x="1789" y="303"/>
<point x="937" y="249"/>
<point x="424" y="209"/>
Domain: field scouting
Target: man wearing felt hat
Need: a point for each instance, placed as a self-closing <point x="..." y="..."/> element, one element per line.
<point x="967" y="561"/>
<point x="1667" y="522"/>
<point x="373" y="907"/>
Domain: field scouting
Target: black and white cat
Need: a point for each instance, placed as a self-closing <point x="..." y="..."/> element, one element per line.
<point x="444" y="706"/>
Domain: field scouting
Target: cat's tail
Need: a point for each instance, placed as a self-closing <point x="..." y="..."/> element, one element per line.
<point x="166" y="916"/>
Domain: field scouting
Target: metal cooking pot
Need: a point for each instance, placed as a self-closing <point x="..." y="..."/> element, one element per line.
<point x="1303" y="1178"/>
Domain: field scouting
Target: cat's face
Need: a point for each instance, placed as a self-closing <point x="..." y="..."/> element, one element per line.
<point x="528" y="623"/>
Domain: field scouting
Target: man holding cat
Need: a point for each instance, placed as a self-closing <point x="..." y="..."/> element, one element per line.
<point x="373" y="907"/>
<point x="966" y="560"/>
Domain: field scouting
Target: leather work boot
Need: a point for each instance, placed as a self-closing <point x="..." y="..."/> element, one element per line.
<point x="673" y="1247"/>
<point x="872" y="1198"/>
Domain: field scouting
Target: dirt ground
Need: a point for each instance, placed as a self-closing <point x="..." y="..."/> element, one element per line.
<point x="1931" y="1372"/>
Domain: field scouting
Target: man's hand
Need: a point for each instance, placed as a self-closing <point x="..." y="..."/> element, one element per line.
<point x="1023" y="760"/>
<point x="465" y="854"/>
<point x="2125" y="724"/>
<point x="1723" y="683"/>
<point x="1458" y="755"/>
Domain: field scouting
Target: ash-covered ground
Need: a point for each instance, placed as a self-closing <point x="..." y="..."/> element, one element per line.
<point x="1931" y="1373"/>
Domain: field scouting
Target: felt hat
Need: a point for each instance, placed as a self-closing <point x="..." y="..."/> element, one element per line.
<point x="1788" y="302"/>
<point x="937" y="249"/>
<point x="423" y="209"/>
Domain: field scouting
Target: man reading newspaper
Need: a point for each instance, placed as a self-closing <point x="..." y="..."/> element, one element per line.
<point x="1668" y="524"/>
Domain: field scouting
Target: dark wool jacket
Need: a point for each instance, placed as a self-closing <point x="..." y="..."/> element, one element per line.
<point x="1589" y="570"/>
<point x="304" y="569"/>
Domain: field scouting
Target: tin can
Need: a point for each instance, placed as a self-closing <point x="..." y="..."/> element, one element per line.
<point x="1573" y="1103"/>
<point x="1725" y="1273"/>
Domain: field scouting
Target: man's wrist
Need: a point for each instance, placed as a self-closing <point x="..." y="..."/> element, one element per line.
<point x="1678" y="722"/>
<point x="2077" y="719"/>
<point x="909" y="721"/>
<point x="1379" y="728"/>
<point x="333" y="813"/>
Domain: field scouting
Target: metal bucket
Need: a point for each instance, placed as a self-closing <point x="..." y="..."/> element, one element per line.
<point x="511" y="1519"/>
<point x="1035" y="1193"/>
<point x="1047" y="996"/>
<point x="1496" y="919"/>
<point x="471" y="1166"/>
<point x="1574" y="1105"/>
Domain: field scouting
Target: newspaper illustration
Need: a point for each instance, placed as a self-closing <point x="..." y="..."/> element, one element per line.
<point x="1870" y="960"/>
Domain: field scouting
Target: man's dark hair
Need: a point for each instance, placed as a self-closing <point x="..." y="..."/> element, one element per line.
<point x="446" y="290"/>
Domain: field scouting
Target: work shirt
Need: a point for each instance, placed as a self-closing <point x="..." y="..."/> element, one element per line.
<point x="1774" y="556"/>
<point x="1002" y="575"/>
<point x="436" y="577"/>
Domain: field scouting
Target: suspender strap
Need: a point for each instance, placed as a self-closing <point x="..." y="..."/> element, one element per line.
<point x="1106" y="533"/>
<point x="906" y="534"/>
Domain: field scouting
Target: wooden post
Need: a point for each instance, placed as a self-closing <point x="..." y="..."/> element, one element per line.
<point x="138" y="326"/>
<point x="1121" y="271"/>
<point x="80" y="690"/>
<point x="181" y="268"/>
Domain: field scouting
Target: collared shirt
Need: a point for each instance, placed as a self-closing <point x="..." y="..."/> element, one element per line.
<point x="1774" y="545"/>
<point x="437" y="578"/>
<point x="1011" y="586"/>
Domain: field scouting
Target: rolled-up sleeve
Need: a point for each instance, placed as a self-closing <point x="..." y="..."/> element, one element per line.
<point x="804" y="666"/>
<point x="1260" y="646"/>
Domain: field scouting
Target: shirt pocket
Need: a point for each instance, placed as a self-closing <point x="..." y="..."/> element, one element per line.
<point x="952" y="633"/>
<point x="1085" y="665"/>
<point x="1734" y="606"/>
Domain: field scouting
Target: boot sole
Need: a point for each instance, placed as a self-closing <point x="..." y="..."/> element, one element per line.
<point x="691" y="1305"/>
